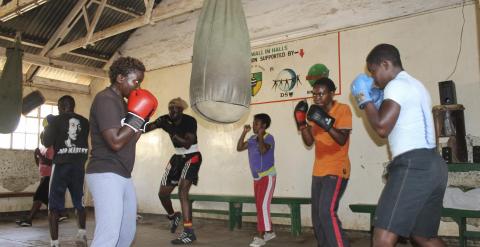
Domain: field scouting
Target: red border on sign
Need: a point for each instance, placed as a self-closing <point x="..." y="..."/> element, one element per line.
<point x="339" y="80"/>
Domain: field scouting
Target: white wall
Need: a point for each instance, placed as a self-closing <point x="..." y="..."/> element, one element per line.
<point x="428" y="45"/>
<point x="172" y="39"/>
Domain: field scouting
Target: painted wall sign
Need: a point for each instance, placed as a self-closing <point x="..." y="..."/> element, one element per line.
<point x="286" y="72"/>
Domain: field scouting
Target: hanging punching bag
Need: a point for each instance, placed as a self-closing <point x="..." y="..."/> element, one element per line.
<point x="220" y="80"/>
<point x="11" y="89"/>
<point x="32" y="101"/>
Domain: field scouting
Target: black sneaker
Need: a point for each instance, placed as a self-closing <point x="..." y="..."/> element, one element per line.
<point x="185" y="238"/>
<point x="24" y="223"/>
<point x="174" y="221"/>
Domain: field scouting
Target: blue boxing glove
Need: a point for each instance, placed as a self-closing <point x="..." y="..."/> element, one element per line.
<point x="361" y="88"/>
<point x="377" y="97"/>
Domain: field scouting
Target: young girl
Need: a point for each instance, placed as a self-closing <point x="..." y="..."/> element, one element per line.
<point x="261" y="148"/>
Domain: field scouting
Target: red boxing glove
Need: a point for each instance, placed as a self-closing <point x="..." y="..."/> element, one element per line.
<point x="141" y="106"/>
<point x="142" y="103"/>
<point x="300" y="113"/>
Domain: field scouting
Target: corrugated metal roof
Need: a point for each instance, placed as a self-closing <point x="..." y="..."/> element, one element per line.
<point x="104" y="48"/>
<point x="136" y="6"/>
<point x="39" y="24"/>
<point x="81" y="60"/>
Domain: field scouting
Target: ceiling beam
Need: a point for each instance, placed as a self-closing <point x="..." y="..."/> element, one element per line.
<point x="52" y="84"/>
<point x="103" y="60"/>
<point x="96" y="17"/>
<point x="165" y="11"/>
<point x="18" y="7"/>
<point x="85" y="17"/>
<point x="100" y="35"/>
<point x="69" y="28"/>
<point x="118" y="9"/>
<point x="59" y="64"/>
<point x="161" y="12"/>
<point x="148" y="10"/>
<point x="24" y="42"/>
<point x="60" y="32"/>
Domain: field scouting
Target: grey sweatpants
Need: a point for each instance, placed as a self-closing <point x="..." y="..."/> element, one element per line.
<point x="411" y="201"/>
<point x="115" y="205"/>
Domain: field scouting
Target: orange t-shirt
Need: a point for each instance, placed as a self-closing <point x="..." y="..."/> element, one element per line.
<point x="330" y="157"/>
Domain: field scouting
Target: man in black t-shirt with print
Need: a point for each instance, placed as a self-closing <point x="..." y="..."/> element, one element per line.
<point x="68" y="134"/>
<point x="183" y="167"/>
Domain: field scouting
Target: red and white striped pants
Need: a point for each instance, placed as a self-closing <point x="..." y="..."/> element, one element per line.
<point x="263" y="189"/>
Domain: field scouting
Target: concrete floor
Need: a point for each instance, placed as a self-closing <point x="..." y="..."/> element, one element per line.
<point x="153" y="230"/>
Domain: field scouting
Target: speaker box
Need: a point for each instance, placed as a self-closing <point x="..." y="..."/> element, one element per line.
<point x="476" y="154"/>
<point x="448" y="96"/>
<point x="447" y="154"/>
<point x="32" y="101"/>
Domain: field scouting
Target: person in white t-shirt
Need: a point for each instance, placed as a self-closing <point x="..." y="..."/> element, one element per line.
<point x="411" y="202"/>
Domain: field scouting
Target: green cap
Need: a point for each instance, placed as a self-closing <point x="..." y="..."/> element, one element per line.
<point x="316" y="72"/>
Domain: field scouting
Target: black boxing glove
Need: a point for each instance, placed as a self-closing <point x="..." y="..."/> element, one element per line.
<point x="317" y="115"/>
<point x="165" y="123"/>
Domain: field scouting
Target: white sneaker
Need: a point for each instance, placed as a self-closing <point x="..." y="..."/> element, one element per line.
<point x="269" y="236"/>
<point x="62" y="218"/>
<point x="81" y="240"/>
<point x="54" y="243"/>
<point x="257" y="242"/>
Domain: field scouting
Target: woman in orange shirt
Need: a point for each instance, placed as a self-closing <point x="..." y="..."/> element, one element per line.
<point x="329" y="126"/>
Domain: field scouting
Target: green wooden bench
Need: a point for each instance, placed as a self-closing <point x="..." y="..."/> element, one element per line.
<point x="235" y="208"/>
<point x="463" y="167"/>
<point x="458" y="215"/>
<point x="16" y="194"/>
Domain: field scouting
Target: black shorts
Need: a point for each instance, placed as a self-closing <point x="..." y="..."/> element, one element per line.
<point x="41" y="194"/>
<point x="184" y="166"/>
<point x="411" y="201"/>
<point x="66" y="176"/>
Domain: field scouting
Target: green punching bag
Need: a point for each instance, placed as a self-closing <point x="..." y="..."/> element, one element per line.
<point x="220" y="81"/>
<point x="11" y="90"/>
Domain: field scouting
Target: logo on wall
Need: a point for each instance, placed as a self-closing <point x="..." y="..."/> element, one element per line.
<point x="286" y="81"/>
<point x="316" y="72"/>
<point x="256" y="82"/>
<point x="256" y="79"/>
